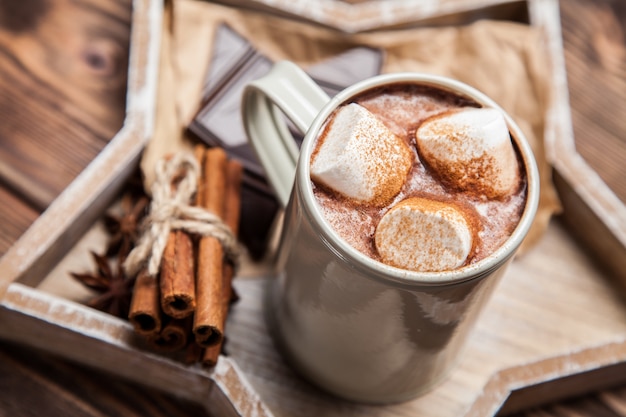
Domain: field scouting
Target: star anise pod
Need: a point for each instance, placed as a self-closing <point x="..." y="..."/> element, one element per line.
<point x="114" y="287"/>
<point x="124" y="229"/>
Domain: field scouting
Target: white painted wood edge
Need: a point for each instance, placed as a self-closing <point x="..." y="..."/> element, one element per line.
<point x="366" y="15"/>
<point x="54" y="231"/>
<point x="101" y="341"/>
<point x="559" y="134"/>
<point x="76" y="208"/>
<point x="523" y="377"/>
<point x="75" y="331"/>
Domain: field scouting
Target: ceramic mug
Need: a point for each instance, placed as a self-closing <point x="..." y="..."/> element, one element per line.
<point x="358" y="328"/>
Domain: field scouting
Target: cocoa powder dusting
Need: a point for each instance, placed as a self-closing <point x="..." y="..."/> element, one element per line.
<point x="402" y="108"/>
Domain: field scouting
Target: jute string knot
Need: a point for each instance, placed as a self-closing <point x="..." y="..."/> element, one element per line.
<point x="170" y="210"/>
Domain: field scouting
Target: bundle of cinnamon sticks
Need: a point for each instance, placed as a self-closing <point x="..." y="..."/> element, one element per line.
<point x="186" y="306"/>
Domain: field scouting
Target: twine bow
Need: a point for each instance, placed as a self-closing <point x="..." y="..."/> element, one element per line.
<point x="170" y="210"/>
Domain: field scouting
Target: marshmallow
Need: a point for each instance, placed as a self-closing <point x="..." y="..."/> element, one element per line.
<point x="471" y="150"/>
<point x="360" y="158"/>
<point x="424" y="235"/>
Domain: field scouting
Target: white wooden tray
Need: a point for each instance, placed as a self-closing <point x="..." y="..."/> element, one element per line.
<point x="555" y="326"/>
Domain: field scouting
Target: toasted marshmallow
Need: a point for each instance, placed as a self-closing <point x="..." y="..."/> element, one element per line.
<point x="424" y="235"/>
<point x="471" y="150"/>
<point x="360" y="158"/>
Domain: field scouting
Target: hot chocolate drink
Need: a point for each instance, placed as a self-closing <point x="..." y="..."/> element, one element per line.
<point x="418" y="178"/>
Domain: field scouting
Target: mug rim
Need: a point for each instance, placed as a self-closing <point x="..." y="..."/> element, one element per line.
<point x="387" y="272"/>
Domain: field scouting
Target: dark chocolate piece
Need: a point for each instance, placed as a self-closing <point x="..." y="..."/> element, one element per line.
<point x="234" y="63"/>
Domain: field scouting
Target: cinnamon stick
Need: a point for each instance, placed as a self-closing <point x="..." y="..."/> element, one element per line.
<point x="211" y="355"/>
<point x="232" y="211"/>
<point x="232" y="205"/>
<point x="173" y="337"/>
<point x="209" y="321"/>
<point x="198" y="152"/>
<point x="177" y="278"/>
<point x="145" y="309"/>
<point x="193" y="354"/>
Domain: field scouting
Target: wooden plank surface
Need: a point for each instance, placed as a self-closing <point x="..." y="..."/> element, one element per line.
<point x="61" y="99"/>
<point x="16" y="216"/>
<point x="594" y="42"/>
<point x="588" y="153"/>
<point x="63" y="67"/>
<point x="66" y="389"/>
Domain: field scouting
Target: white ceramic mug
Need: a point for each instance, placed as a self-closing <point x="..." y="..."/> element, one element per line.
<point x="354" y="326"/>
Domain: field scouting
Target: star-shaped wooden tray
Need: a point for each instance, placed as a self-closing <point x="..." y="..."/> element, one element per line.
<point x="556" y="325"/>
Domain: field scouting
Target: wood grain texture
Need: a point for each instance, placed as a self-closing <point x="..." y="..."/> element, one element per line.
<point x="66" y="389"/>
<point x="594" y="42"/>
<point x="16" y="216"/>
<point x="587" y="148"/>
<point x="63" y="73"/>
<point x="69" y="389"/>
<point x="602" y="404"/>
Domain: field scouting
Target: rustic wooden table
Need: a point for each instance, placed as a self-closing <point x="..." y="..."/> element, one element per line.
<point x="62" y="92"/>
